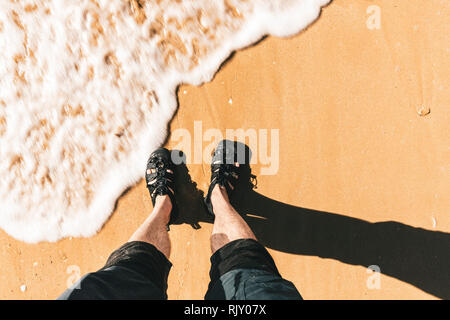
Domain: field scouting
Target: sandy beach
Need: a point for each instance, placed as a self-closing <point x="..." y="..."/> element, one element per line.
<point x="364" y="164"/>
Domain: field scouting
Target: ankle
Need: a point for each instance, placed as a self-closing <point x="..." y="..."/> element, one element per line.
<point x="162" y="200"/>
<point x="163" y="206"/>
<point x="219" y="195"/>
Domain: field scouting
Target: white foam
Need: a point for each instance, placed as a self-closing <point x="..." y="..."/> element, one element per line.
<point x="87" y="89"/>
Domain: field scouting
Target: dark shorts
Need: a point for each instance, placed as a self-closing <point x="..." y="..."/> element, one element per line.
<point x="241" y="270"/>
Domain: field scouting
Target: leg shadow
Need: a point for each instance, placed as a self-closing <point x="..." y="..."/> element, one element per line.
<point x="189" y="198"/>
<point x="413" y="255"/>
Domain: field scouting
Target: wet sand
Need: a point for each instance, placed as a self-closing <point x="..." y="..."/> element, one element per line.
<point x="363" y="173"/>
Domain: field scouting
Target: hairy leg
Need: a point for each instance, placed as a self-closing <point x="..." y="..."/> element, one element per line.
<point x="228" y="224"/>
<point x="154" y="228"/>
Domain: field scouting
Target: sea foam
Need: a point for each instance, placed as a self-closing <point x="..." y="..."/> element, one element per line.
<point x="87" y="88"/>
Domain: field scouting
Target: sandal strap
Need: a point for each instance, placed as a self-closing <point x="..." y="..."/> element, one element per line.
<point x="161" y="180"/>
<point x="226" y="175"/>
<point x="160" y="183"/>
<point x="225" y="171"/>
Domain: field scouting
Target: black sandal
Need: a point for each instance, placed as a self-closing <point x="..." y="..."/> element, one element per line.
<point x="159" y="177"/>
<point x="225" y="170"/>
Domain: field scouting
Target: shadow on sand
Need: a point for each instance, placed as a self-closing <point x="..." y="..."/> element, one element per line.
<point x="417" y="256"/>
